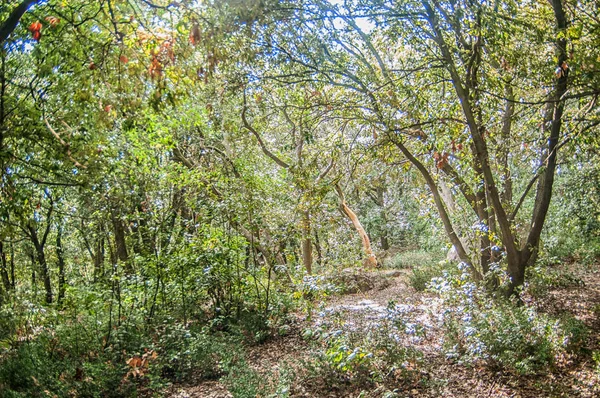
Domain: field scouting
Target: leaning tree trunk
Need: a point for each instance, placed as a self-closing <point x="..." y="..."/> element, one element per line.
<point x="370" y="259"/>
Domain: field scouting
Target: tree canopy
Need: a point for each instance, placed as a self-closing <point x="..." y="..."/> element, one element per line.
<point x="204" y="163"/>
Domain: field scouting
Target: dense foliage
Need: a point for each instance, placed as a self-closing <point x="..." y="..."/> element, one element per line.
<point x="176" y="176"/>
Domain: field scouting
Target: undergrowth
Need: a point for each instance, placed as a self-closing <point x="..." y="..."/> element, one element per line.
<point x="480" y="328"/>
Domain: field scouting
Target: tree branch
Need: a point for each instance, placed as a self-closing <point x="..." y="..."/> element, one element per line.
<point x="64" y="144"/>
<point x="259" y="139"/>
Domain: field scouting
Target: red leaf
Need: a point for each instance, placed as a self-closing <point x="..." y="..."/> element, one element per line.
<point x="35" y="26"/>
<point x="53" y="21"/>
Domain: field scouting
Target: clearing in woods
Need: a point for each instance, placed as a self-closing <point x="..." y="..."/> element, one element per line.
<point x="413" y="319"/>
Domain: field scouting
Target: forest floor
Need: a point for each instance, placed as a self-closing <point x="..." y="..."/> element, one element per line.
<point x="436" y="375"/>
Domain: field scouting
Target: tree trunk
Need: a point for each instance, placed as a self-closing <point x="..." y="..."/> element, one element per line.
<point x="12" y="266"/>
<point x="552" y="127"/>
<point x="120" y="244"/>
<point x="318" y="249"/>
<point x="61" y="265"/>
<point x="383" y="239"/>
<point x="370" y="259"/>
<point x="99" y="258"/>
<point x="439" y="203"/>
<point x="480" y="150"/>
<point x="507" y="190"/>
<point x="40" y="256"/>
<point x="13" y="19"/>
<point x="32" y="259"/>
<point x="4" y="269"/>
<point x="307" y="257"/>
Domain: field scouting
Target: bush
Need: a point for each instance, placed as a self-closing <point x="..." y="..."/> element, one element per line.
<point x="479" y="328"/>
<point x="414" y="258"/>
<point x="542" y="278"/>
<point x="45" y="364"/>
<point x="421" y="276"/>
<point x="383" y="353"/>
<point x="243" y="382"/>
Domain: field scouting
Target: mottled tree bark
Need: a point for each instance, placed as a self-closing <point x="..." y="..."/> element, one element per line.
<point x="370" y="258"/>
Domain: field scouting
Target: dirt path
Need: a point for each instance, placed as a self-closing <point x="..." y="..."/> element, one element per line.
<point x="417" y="324"/>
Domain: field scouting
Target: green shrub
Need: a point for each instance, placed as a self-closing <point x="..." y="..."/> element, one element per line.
<point x="414" y="258"/>
<point x="243" y="382"/>
<point x="596" y="359"/>
<point x="421" y="276"/>
<point x="500" y="333"/>
<point x="542" y="278"/>
<point x="382" y="353"/>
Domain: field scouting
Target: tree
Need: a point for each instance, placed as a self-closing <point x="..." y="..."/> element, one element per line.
<point x="470" y="59"/>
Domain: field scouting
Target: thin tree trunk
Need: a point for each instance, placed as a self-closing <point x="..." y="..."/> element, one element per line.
<point x="507" y="191"/>
<point x="99" y="259"/>
<point x="33" y="266"/>
<point x="370" y="259"/>
<point x="439" y="203"/>
<point x="485" y="251"/>
<point x="12" y="266"/>
<point x="120" y="244"/>
<point x="383" y="239"/>
<point x="62" y="284"/>
<point x="4" y="268"/>
<point x="307" y="257"/>
<point x="479" y="144"/>
<point x="42" y="264"/>
<point x="552" y="126"/>
<point x="318" y="248"/>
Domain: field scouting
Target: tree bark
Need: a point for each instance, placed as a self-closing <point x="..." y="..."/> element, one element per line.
<point x="99" y="259"/>
<point x="479" y="145"/>
<point x="60" y="255"/>
<point x="370" y="258"/>
<point x="383" y="239"/>
<point x="40" y="256"/>
<point x="4" y="269"/>
<point x="120" y="244"/>
<point x="12" y="266"/>
<point x="439" y="203"/>
<point x="307" y="256"/>
<point x="318" y="248"/>
<point x="552" y="127"/>
<point x="507" y="191"/>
